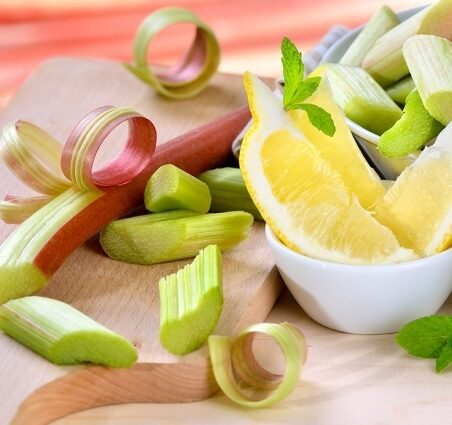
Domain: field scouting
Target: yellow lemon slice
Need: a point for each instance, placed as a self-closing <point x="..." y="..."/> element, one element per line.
<point x="341" y="150"/>
<point x="418" y="206"/>
<point x="301" y="196"/>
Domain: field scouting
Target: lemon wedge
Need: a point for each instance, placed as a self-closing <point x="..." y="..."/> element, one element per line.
<point x="418" y="206"/>
<point x="301" y="196"/>
<point x="340" y="150"/>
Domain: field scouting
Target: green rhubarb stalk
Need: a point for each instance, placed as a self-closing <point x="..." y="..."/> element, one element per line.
<point x="385" y="60"/>
<point x="228" y="191"/>
<point x="361" y="98"/>
<point x="171" y="188"/>
<point x="160" y="237"/>
<point x="125" y="239"/>
<point x="19" y="276"/>
<point x="399" y="91"/>
<point x="62" y="334"/>
<point x="411" y="132"/>
<point x="380" y="23"/>
<point x="429" y="59"/>
<point x="191" y="302"/>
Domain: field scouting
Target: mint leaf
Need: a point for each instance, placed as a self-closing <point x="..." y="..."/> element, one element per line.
<point x="297" y="89"/>
<point x="429" y="337"/>
<point x="293" y="69"/>
<point x="306" y="89"/>
<point x="319" y="118"/>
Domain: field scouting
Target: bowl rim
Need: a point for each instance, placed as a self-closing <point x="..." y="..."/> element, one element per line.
<point x="362" y="132"/>
<point x="272" y="239"/>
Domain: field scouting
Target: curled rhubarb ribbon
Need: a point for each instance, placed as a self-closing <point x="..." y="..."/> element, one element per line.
<point x="41" y="163"/>
<point x="192" y="72"/>
<point x="233" y="359"/>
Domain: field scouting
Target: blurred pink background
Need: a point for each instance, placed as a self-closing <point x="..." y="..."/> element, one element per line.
<point x="249" y="31"/>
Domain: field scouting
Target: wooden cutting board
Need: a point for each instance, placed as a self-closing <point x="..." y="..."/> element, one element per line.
<point x="121" y="296"/>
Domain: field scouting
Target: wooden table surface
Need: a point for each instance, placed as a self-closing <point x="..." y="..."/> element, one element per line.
<point x="123" y="297"/>
<point x="347" y="380"/>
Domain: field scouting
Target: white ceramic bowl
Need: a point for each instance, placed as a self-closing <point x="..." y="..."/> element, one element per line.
<point x="390" y="168"/>
<point x="364" y="299"/>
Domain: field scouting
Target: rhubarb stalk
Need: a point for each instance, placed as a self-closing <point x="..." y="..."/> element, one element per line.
<point x="361" y="98"/>
<point x="228" y="191"/>
<point x="191" y="302"/>
<point x="380" y="23"/>
<point x="62" y="334"/>
<point x="160" y="237"/>
<point x="385" y="61"/>
<point x="416" y="128"/>
<point x="429" y="59"/>
<point x="30" y="255"/>
<point x="171" y="188"/>
<point x="399" y="91"/>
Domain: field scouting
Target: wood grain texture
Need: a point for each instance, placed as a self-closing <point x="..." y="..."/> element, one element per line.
<point x="121" y="296"/>
<point x="347" y="380"/>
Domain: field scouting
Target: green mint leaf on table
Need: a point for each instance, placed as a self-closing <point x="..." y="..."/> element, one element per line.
<point x="297" y="89"/>
<point x="429" y="337"/>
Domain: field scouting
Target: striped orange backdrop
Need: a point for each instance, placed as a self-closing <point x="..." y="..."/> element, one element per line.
<point x="249" y="30"/>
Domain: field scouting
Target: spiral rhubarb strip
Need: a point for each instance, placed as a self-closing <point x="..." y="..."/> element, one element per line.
<point x="243" y="379"/>
<point x="187" y="77"/>
<point x="25" y="149"/>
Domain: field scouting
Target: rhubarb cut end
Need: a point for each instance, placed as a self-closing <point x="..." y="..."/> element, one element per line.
<point x="191" y="302"/>
<point x="171" y="188"/>
<point x="374" y="117"/>
<point x="62" y="334"/>
<point x="361" y="98"/>
<point x="96" y="347"/>
<point x="20" y="281"/>
<point x="437" y="19"/>
<point x="440" y="106"/>
<point x="429" y="59"/>
<point x="176" y="337"/>
<point x="411" y="132"/>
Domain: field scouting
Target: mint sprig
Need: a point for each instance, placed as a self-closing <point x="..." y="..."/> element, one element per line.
<point x="429" y="337"/>
<point x="297" y="89"/>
